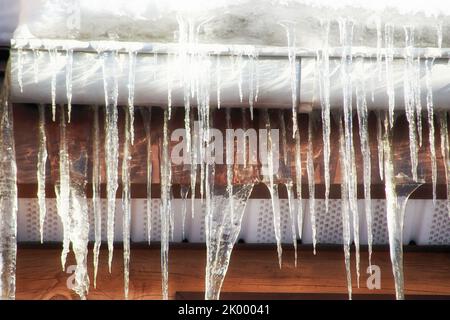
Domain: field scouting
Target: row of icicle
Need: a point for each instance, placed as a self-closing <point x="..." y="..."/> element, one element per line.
<point x="196" y="84"/>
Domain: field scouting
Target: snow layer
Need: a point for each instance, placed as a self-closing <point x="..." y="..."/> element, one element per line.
<point x="251" y="22"/>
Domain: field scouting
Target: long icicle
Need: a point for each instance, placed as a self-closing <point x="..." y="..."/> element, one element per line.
<point x="110" y="82"/>
<point x="380" y="145"/>
<point x="193" y="171"/>
<point x="8" y="190"/>
<point x="126" y="200"/>
<point x="298" y="182"/>
<point x="311" y="182"/>
<point x="324" y="88"/>
<point x="146" y="114"/>
<point x="132" y="56"/>
<point x="391" y="206"/>
<point x="289" y="184"/>
<point x="445" y="151"/>
<point x="346" y="38"/>
<point x="290" y="192"/>
<point x="53" y="54"/>
<point x="223" y="231"/>
<point x="79" y="222"/>
<point x="389" y="59"/>
<point x="63" y="196"/>
<point x="41" y="172"/>
<point x="184" y="192"/>
<point x="418" y="98"/>
<point x="410" y="108"/>
<point x="273" y="187"/>
<point x="230" y="162"/>
<point x="291" y="40"/>
<point x="430" y="111"/>
<point x="361" y="106"/>
<point x="96" y="200"/>
<point x="69" y="73"/>
<point x="166" y="185"/>
<point x="398" y="189"/>
<point x="345" y="207"/>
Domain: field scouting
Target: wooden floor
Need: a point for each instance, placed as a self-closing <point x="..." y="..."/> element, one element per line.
<point x="252" y="270"/>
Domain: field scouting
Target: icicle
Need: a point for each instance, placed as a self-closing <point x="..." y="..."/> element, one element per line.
<point x="445" y="151"/>
<point x="132" y="55"/>
<point x="409" y="100"/>
<point x="193" y="175"/>
<point x="418" y="99"/>
<point x="80" y="237"/>
<point x="273" y="188"/>
<point x="311" y="182"/>
<point x="289" y="182"/>
<point x="244" y="127"/>
<point x="218" y="81"/>
<point x="146" y="114"/>
<point x="324" y="86"/>
<point x="79" y="221"/>
<point x="53" y="54"/>
<point x="8" y="191"/>
<point x="222" y="231"/>
<point x="41" y="172"/>
<point x="20" y="67"/>
<point x="345" y="207"/>
<point x="69" y="72"/>
<point x="346" y="37"/>
<point x="379" y="44"/>
<point x="230" y="162"/>
<point x="380" y="145"/>
<point x="257" y="82"/>
<point x="290" y="193"/>
<point x="283" y="136"/>
<point x="361" y="106"/>
<point x="36" y="65"/>
<point x="240" y="67"/>
<point x="430" y="110"/>
<point x="298" y="182"/>
<point x="398" y="190"/>
<point x="169" y="84"/>
<point x="166" y="206"/>
<point x="96" y="200"/>
<point x="291" y="40"/>
<point x="251" y="89"/>
<point x="109" y="64"/>
<point x="389" y="58"/>
<point x="63" y="194"/>
<point x="184" y="191"/>
<point x="126" y="201"/>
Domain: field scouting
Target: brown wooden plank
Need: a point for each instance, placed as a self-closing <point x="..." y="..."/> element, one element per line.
<point x="252" y="269"/>
<point x="80" y="129"/>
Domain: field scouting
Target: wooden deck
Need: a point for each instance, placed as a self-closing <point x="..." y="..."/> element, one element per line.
<point x="253" y="269"/>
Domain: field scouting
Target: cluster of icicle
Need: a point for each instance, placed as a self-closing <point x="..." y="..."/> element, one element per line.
<point x="225" y="205"/>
